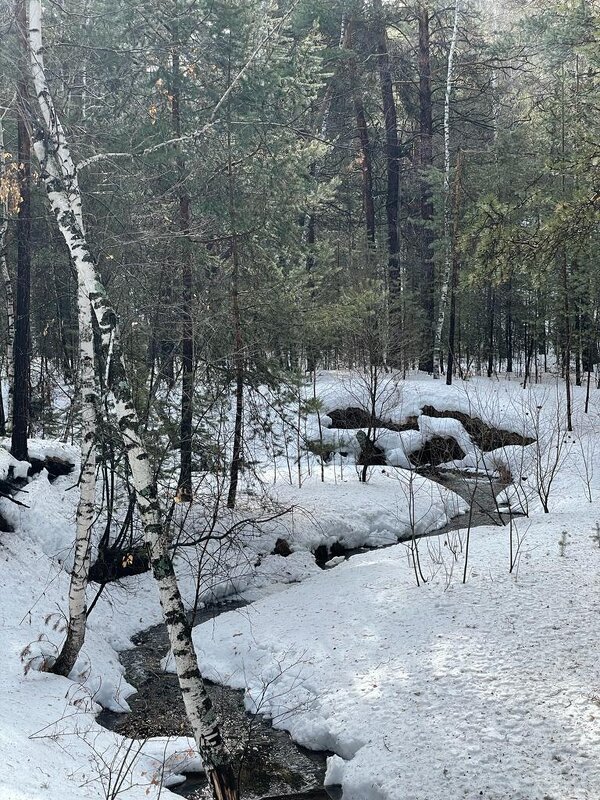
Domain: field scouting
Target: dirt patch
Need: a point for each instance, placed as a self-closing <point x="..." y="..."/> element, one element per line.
<point x="438" y="450"/>
<point x="351" y="418"/>
<point x="485" y="436"/>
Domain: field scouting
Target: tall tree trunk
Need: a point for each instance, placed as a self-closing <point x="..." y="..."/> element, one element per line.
<point x="85" y="514"/>
<point x="455" y="273"/>
<point x="21" y="350"/>
<point x="426" y="199"/>
<point x="509" y="327"/>
<point x="568" y="343"/>
<point x="59" y="176"/>
<point x="310" y="219"/>
<point x="491" y="327"/>
<point x="8" y="289"/>
<point x="363" y="135"/>
<point x="238" y="360"/>
<point x="443" y="301"/>
<point x="393" y="183"/>
<point x="184" y="488"/>
<point x="87" y="486"/>
<point x="564" y="265"/>
<point x="238" y="346"/>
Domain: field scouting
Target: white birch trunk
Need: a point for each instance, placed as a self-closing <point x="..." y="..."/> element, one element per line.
<point x="8" y="288"/>
<point x="59" y="175"/>
<point x="87" y="488"/>
<point x="443" y="302"/>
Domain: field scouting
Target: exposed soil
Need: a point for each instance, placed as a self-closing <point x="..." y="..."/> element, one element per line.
<point x="351" y="418"/>
<point x="437" y="450"/>
<point x="485" y="437"/>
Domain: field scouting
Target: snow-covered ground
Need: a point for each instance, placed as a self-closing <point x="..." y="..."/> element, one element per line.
<point x="485" y="689"/>
<point x="488" y="689"/>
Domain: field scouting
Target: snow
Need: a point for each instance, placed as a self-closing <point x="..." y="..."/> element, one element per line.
<point x="8" y="463"/>
<point x="488" y="688"/>
<point x="483" y="689"/>
<point x="393" y="504"/>
<point x="50" y="743"/>
<point x="495" y="402"/>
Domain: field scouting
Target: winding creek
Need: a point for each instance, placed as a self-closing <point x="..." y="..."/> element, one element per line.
<point x="270" y="764"/>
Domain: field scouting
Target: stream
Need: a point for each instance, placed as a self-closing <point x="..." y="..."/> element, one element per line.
<point x="479" y="491"/>
<point x="270" y="765"/>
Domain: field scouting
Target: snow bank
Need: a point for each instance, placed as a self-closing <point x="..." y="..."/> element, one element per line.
<point x="50" y="743"/>
<point x="501" y="404"/>
<point x="8" y="463"/>
<point x="393" y="504"/>
<point x="448" y="690"/>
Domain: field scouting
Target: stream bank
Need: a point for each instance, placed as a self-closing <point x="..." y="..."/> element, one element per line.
<point x="270" y="764"/>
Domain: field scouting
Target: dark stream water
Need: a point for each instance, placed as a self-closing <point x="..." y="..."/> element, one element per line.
<point x="479" y="491"/>
<point x="270" y="764"/>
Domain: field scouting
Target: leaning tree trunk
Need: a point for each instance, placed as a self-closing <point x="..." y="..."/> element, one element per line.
<point x="85" y="514"/>
<point x="59" y="176"/>
<point x="5" y="203"/>
<point x="443" y="301"/>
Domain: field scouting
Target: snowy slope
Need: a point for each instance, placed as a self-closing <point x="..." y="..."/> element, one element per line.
<point x="489" y="689"/>
<point x="50" y="743"/>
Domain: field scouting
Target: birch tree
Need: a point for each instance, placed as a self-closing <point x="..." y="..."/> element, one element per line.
<point x="87" y="485"/>
<point x="443" y="301"/>
<point x="59" y="175"/>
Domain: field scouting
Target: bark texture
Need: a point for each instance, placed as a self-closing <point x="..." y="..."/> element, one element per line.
<point x="426" y="199"/>
<point x="445" y="287"/>
<point x="393" y="180"/>
<point x="87" y="488"/>
<point x="21" y="352"/>
<point x="184" y="488"/>
<point x="363" y="136"/>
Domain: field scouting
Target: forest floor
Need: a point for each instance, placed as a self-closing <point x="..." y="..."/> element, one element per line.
<point x="484" y="688"/>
